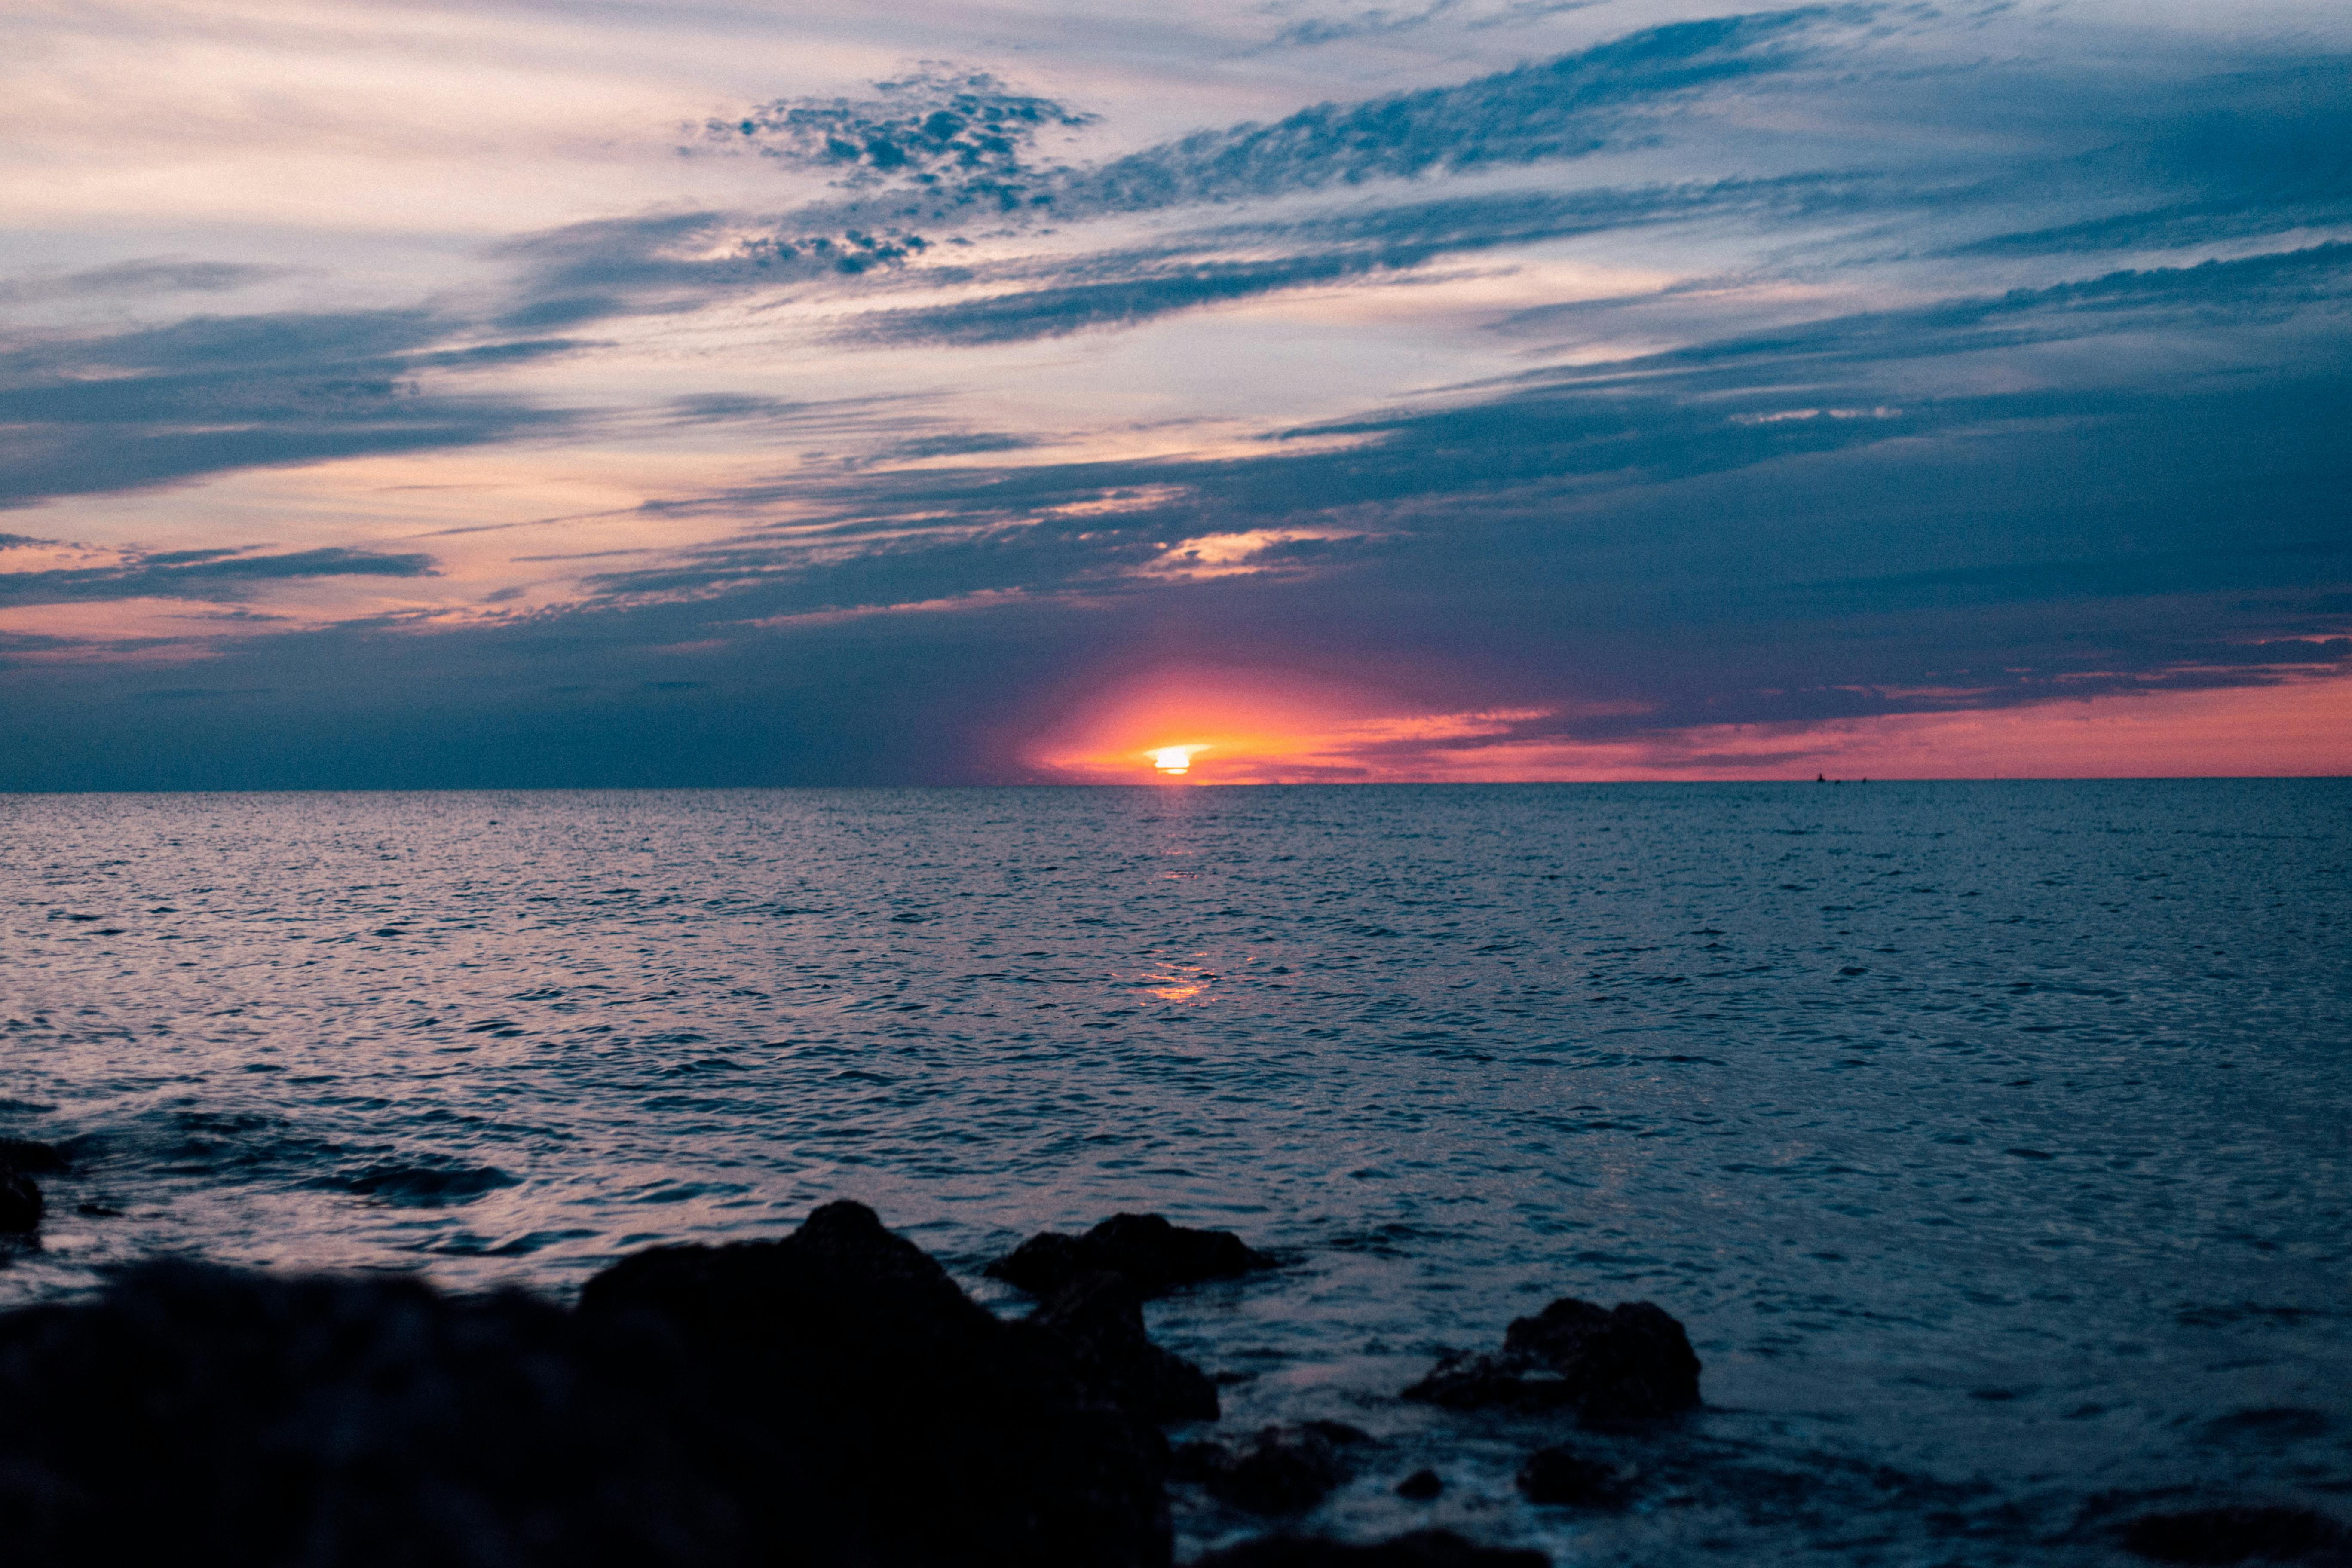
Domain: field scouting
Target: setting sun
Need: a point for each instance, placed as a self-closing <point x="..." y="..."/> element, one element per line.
<point x="1173" y="759"/>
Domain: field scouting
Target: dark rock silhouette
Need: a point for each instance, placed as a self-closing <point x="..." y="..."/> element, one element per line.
<point x="1420" y="1486"/>
<point x="1630" y="1364"/>
<point x="20" y="1204"/>
<point x="882" y="1415"/>
<point x="1276" y="1469"/>
<point x="2237" y="1535"/>
<point x="20" y="1195"/>
<point x="830" y="1399"/>
<point x="1562" y="1475"/>
<point x="1156" y="1256"/>
<point x="1421" y="1548"/>
<point x="33" y="1159"/>
<point x="1100" y="1317"/>
<point x="217" y="1419"/>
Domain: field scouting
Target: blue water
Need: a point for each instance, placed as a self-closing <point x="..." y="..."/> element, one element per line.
<point x="1990" y="1139"/>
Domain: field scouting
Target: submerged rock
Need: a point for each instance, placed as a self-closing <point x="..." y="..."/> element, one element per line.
<point x="20" y="1195"/>
<point x="1631" y="1363"/>
<point x="1420" y="1486"/>
<point x="1276" y="1469"/>
<point x="1564" y="1477"/>
<point x="1421" y="1548"/>
<point x="20" y="1204"/>
<point x="2236" y="1535"/>
<point x="1156" y="1256"/>
<point x="32" y="1158"/>
<point x="830" y="1399"/>
<point x="1100" y="1317"/>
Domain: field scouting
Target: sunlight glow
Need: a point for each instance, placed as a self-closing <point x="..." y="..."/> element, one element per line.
<point x="1272" y="730"/>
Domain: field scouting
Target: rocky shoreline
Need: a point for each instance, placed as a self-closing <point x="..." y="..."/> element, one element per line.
<point x="830" y="1398"/>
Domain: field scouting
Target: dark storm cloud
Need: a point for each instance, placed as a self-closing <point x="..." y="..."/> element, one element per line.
<point x="210" y="575"/>
<point x="214" y="394"/>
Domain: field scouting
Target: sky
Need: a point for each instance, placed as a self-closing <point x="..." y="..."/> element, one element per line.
<point x="742" y="393"/>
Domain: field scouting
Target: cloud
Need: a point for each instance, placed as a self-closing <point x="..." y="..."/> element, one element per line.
<point x="1369" y="23"/>
<point x="1051" y="312"/>
<point x="939" y="153"/>
<point x="2210" y="294"/>
<point x="961" y="134"/>
<point x="210" y="575"/>
<point x="2228" y="155"/>
<point x="1740" y="531"/>
<point x="212" y="394"/>
<point x="1565" y="108"/>
<point x="1336" y="249"/>
<point x="1815" y="367"/>
<point x="161" y="274"/>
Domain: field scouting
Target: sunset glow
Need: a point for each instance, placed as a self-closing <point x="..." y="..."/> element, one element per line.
<point x="1275" y="735"/>
<point x="1466" y="392"/>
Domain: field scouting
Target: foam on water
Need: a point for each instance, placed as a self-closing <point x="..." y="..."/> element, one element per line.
<point x="1990" y="1139"/>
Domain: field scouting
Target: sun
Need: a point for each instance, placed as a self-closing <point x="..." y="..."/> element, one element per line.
<point x="1175" y="761"/>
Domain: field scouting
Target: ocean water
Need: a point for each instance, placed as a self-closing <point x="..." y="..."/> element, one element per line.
<point x="1990" y="1139"/>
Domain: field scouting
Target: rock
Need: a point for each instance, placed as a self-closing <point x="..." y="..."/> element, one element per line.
<point x="832" y="1399"/>
<point x="1631" y="1363"/>
<point x="1420" y="1486"/>
<point x="1276" y="1469"/>
<point x="1421" y="1548"/>
<point x="1156" y="1256"/>
<point x="2234" y="1535"/>
<point x="20" y="1204"/>
<point x="887" y="1417"/>
<point x="1562" y="1475"/>
<point x="1100" y="1317"/>
<point x="1048" y="1261"/>
<point x="20" y="1195"/>
<point x="33" y="1159"/>
<point x="212" y="1418"/>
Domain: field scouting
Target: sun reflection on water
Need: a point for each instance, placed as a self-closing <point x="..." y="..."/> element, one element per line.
<point x="1179" y="982"/>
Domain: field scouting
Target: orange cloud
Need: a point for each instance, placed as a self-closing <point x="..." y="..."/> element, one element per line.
<point x="1248" y="731"/>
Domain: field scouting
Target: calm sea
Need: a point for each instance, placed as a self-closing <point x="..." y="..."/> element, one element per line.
<point x="1990" y="1139"/>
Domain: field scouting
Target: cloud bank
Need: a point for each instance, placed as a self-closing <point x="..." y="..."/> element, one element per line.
<point x="1733" y="395"/>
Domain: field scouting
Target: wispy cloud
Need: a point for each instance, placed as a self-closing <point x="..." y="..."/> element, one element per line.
<point x="1666" y="393"/>
<point x="210" y="393"/>
<point x="208" y="575"/>
<point x="162" y="275"/>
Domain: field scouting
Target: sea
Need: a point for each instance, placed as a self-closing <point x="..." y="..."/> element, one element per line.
<point x="1990" y="1139"/>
